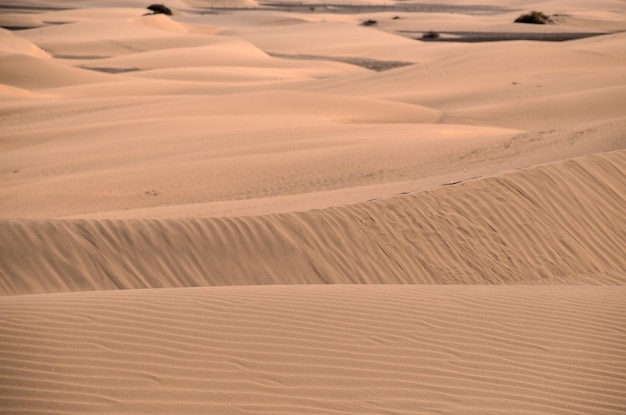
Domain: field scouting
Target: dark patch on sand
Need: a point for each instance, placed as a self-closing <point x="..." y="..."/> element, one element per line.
<point x="110" y="70"/>
<point x="371" y="64"/>
<point x="85" y="57"/>
<point x="502" y="36"/>
<point x="16" y="28"/>
<point x="27" y="27"/>
<point x="407" y="7"/>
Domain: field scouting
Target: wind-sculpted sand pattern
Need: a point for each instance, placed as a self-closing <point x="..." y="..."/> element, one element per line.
<point x="316" y="350"/>
<point x="305" y="208"/>
<point x="556" y="224"/>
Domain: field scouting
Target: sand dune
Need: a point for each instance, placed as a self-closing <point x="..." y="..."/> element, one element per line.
<point x="557" y="224"/>
<point x="578" y="108"/>
<point x="316" y="350"/>
<point x="24" y="71"/>
<point x="265" y="207"/>
<point x="16" y="44"/>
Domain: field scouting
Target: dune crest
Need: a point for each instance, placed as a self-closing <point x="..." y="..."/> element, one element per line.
<point x="24" y="71"/>
<point x="9" y="43"/>
<point x="556" y="224"/>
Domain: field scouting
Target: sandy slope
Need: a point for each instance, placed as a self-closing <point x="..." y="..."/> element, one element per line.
<point x="556" y="224"/>
<point x="342" y="199"/>
<point x="212" y="117"/>
<point x="316" y="350"/>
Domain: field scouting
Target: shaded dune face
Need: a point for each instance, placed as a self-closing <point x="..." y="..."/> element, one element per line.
<point x="556" y="224"/>
<point x="283" y="211"/>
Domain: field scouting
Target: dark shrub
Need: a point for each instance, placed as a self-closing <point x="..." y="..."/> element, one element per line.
<point x="159" y="8"/>
<point x="370" y="23"/>
<point x="533" y="17"/>
<point x="431" y="34"/>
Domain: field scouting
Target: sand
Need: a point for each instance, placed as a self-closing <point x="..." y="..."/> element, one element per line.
<point x="271" y="208"/>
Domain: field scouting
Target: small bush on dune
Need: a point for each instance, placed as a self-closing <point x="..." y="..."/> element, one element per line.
<point x="370" y="23"/>
<point x="159" y="8"/>
<point x="534" y="17"/>
<point x="431" y="34"/>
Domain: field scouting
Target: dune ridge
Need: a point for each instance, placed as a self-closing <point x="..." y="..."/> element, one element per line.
<point x="561" y="223"/>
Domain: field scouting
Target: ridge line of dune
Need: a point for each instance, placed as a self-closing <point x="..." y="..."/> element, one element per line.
<point x="561" y="223"/>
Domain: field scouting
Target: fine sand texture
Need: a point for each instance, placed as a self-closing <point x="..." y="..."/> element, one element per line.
<point x="316" y="349"/>
<point x="273" y="208"/>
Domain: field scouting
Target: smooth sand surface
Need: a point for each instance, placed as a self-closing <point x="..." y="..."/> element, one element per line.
<point x="246" y="208"/>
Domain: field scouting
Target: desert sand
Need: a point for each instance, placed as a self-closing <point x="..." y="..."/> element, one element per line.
<point x="271" y="208"/>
